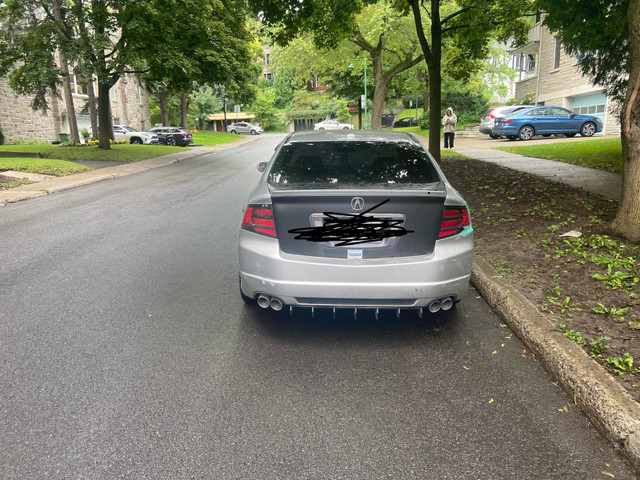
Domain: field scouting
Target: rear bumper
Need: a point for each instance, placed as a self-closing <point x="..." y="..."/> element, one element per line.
<point x="406" y="282"/>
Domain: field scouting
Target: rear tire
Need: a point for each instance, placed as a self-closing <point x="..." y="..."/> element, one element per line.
<point x="526" y="133"/>
<point x="346" y="128"/>
<point x="253" y="132"/>
<point x="171" y="142"/>
<point x="588" y="129"/>
<point x="135" y="141"/>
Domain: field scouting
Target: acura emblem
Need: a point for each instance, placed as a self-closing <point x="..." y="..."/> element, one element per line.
<point x="357" y="203"/>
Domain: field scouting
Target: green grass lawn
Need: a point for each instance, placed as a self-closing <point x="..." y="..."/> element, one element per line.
<point x="118" y="153"/>
<point x="209" y="138"/>
<point x="47" y="166"/>
<point x="602" y="153"/>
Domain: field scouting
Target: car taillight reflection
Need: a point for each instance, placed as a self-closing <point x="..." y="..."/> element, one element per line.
<point x="259" y="219"/>
<point x="454" y="219"/>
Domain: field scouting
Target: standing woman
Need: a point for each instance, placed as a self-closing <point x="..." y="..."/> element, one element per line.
<point x="449" y="122"/>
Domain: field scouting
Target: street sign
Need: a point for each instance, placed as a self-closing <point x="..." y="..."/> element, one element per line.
<point x="352" y="108"/>
<point x="362" y="101"/>
<point x="236" y="108"/>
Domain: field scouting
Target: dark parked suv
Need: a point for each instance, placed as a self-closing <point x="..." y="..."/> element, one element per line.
<point x="172" y="136"/>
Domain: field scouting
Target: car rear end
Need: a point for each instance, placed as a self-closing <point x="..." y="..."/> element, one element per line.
<point x="490" y="119"/>
<point x="355" y="220"/>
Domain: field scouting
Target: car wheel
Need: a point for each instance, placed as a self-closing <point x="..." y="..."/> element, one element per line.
<point x="171" y="142"/>
<point x="526" y="133"/>
<point x="588" y="129"/>
<point x="253" y="132"/>
<point x="233" y="131"/>
<point x="321" y="128"/>
<point x="135" y="141"/>
<point x="494" y="136"/>
<point x="346" y="128"/>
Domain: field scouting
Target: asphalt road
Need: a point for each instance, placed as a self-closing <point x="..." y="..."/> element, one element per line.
<point x="127" y="352"/>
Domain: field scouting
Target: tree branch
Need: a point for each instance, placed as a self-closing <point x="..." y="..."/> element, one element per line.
<point x="454" y="15"/>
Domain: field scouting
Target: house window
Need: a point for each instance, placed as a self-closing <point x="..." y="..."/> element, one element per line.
<point x="114" y="97"/>
<point x="266" y="59"/>
<point x="139" y="95"/>
<point x="557" y="44"/>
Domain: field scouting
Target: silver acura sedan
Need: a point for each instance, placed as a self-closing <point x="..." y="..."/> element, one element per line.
<point x="357" y="220"/>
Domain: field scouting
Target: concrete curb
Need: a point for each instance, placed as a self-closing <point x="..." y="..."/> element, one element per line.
<point x="607" y="405"/>
<point x="59" y="184"/>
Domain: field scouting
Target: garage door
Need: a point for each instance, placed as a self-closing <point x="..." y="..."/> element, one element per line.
<point x="593" y="104"/>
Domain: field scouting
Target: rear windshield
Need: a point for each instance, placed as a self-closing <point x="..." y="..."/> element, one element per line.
<point x="352" y="164"/>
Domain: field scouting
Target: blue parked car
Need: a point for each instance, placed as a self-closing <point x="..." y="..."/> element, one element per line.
<point x="546" y="121"/>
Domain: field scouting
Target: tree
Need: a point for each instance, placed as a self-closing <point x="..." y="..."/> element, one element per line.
<point x="264" y="110"/>
<point x="612" y="59"/>
<point x="204" y="102"/>
<point x="470" y="26"/>
<point x="379" y="37"/>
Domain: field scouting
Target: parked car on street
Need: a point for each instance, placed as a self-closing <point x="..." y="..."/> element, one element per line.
<point x="546" y="121"/>
<point x="489" y="119"/>
<point x="406" y="122"/>
<point x="125" y="132"/>
<point x="244" y="127"/>
<point x="332" y="125"/>
<point x="172" y="136"/>
<point x="357" y="220"/>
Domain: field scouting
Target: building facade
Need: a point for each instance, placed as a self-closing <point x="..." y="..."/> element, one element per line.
<point x="20" y="123"/>
<point x="552" y="77"/>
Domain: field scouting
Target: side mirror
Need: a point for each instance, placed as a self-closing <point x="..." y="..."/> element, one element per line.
<point x="262" y="166"/>
<point x="573" y="114"/>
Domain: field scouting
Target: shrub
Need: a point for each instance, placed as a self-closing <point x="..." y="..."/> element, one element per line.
<point x="424" y="121"/>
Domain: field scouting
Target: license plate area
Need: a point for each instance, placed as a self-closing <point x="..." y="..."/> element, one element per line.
<point x="361" y="234"/>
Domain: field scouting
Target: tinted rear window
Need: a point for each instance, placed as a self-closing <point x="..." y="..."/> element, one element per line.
<point x="349" y="164"/>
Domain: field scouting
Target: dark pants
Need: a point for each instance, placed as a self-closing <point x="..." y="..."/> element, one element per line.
<point x="448" y="139"/>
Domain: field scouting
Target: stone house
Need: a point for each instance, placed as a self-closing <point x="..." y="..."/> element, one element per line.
<point x="553" y="77"/>
<point x="19" y="122"/>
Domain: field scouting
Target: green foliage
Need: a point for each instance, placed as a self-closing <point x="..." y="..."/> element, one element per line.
<point x="45" y="166"/>
<point x="598" y="346"/>
<point x="283" y="87"/>
<point x="571" y="334"/>
<point x="611" y="312"/>
<point x="204" y="102"/>
<point x="468" y="101"/>
<point x="425" y="122"/>
<point x="622" y="365"/>
<point x="409" y="101"/>
<point x="264" y="109"/>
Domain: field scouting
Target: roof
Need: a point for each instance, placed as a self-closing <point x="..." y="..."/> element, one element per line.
<point x="350" y="136"/>
<point x="231" y="116"/>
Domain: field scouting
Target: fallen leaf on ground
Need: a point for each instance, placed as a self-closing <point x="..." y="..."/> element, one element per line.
<point x="494" y="352"/>
<point x="607" y="473"/>
<point x="491" y="400"/>
<point x="465" y="367"/>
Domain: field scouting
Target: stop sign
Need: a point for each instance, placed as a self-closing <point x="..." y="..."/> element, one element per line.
<point x="352" y="108"/>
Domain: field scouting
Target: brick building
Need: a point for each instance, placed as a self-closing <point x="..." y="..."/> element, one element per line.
<point x="554" y="78"/>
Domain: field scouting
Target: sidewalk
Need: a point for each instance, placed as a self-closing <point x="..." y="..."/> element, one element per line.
<point x="605" y="184"/>
<point x="58" y="184"/>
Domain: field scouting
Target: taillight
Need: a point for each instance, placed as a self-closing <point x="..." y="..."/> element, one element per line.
<point x="507" y="120"/>
<point x="183" y="134"/>
<point x="491" y="115"/>
<point x="259" y="219"/>
<point x="454" y="219"/>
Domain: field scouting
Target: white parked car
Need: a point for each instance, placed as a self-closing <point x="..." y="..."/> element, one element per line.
<point x="332" y="125"/>
<point x="124" y="132"/>
<point x="244" y="127"/>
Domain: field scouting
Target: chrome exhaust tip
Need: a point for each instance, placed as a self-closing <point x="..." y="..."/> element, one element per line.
<point x="447" y="303"/>
<point x="435" y="306"/>
<point x="276" y="304"/>
<point x="263" y="301"/>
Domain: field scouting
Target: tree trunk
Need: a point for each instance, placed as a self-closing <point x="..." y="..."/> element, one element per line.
<point x="435" y="81"/>
<point x="164" y="113"/>
<point x="93" y="111"/>
<point x="380" y="91"/>
<point x="627" y="221"/>
<point x="184" y="110"/>
<point x="104" y="116"/>
<point x="66" y="80"/>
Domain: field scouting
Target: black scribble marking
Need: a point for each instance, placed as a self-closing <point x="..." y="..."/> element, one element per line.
<point x="350" y="229"/>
